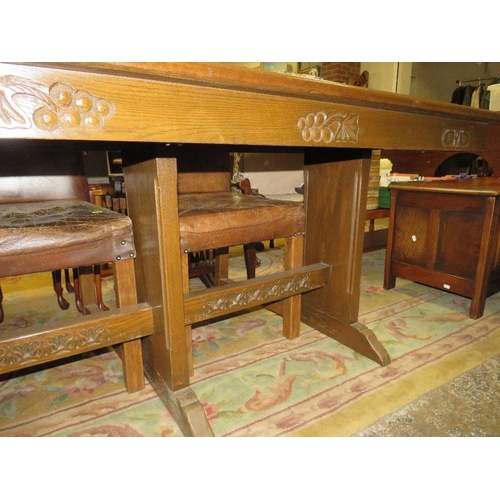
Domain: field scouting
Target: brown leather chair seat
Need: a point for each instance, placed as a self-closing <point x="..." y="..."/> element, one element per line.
<point x="228" y="219"/>
<point x="36" y="235"/>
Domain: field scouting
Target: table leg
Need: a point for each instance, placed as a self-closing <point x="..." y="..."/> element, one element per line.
<point x="335" y="200"/>
<point x="152" y="205"/>
<point x="486" y="257"/>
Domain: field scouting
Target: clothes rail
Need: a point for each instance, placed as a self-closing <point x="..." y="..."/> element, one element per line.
<point x="477" y="80"/>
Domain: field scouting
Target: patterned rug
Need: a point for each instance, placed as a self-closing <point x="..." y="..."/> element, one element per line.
<point x="250" y="380"/>
<point x="466" y="406"/>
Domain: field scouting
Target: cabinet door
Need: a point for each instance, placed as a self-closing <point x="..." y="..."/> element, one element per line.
<point x="459" y="243"/>
<point x="411" y="236"/>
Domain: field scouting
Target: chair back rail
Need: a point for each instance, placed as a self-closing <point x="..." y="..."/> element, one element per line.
<point x="63" y="175"/>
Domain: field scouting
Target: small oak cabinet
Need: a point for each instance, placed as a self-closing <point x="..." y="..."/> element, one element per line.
<point x="445" y="234"/>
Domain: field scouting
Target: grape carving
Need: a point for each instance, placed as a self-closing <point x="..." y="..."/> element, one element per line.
<point x="319" y="127"/>
<point x="24" y="103"/>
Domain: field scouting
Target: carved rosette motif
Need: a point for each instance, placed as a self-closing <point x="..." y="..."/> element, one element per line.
<point x="319" y="127"/>
<point x="24" y="104"/>
<point x="457" y="138"/>
<point x="25" y="352"/>
<point x="247" y="298"/>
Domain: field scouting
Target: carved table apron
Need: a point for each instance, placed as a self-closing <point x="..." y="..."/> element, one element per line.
<point x="334" y="125"/>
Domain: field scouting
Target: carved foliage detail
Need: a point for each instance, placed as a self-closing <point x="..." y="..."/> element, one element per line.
<point x="455" y="137"/>
<point x="250" y="296"/>
<point x="24" y="103"/>
<point x="24" y="352"/>
<point x="319" y="127"/>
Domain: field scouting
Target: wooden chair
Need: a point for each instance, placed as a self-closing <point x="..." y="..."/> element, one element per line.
<point x="211" y="264"/>
<point x="206" y="219"/>
<point x="44" y="226"/>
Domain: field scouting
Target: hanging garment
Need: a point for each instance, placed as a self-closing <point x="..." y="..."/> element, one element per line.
<point x="458" y="95"/>
<point x="485" y="98"/>
<point x="476" y="97"/>
<point x="469" y="90"/>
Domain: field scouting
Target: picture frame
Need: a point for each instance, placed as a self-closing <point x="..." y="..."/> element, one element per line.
<point x="280" y="67"/>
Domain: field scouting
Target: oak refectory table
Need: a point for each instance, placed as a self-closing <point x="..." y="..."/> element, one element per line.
<point x="158" y="105"/>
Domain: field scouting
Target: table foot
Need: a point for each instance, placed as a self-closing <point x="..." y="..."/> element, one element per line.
<point x="355" y="335"/>
<point x="184" y="407"/>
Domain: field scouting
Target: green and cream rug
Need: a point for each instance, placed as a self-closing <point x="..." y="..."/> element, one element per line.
<point x="250" y="380"/>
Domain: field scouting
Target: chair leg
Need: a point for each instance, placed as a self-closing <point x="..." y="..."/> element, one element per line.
<point x="201" y="266"/>
<point x="294" y="250"/>
<point x="250" y="252"/>
<point x="84" y="284"/>
<point x="1" y="307"/>
<point x="129" y="352"/>
<point x="69" y="286"/>
<point x="97" y="285"/>
<point x="98" y="288"/>
<point x="58" y="288"/>
<point x="205" y="279"/>
<point x="78" y="296"/>
<point x="221" y="258"/>
<point x="189" y="335"/>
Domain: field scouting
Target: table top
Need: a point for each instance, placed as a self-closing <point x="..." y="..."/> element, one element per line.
<point x="480" y="186"/>
<point x="220" y="104"/>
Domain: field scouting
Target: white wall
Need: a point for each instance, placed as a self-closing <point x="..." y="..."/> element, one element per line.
<point x="389" y="76"/>
<point x="281" y="182"/>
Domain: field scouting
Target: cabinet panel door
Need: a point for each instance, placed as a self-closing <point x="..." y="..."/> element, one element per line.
<point x="411" y="230"/>
<point x="459" y="242"/>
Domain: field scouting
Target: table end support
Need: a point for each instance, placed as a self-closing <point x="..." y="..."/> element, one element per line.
<point x="355" y="335"/>
<point x="184" y="406"/>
